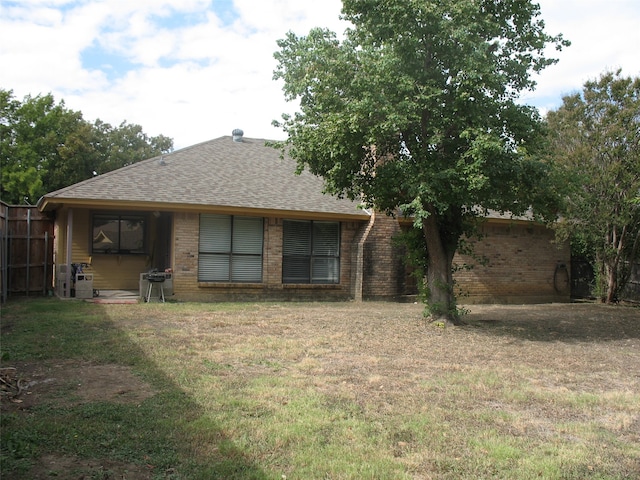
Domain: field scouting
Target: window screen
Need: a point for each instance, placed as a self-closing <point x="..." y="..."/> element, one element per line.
<point x="230" y="249"/>
<point x="118" y="234"/>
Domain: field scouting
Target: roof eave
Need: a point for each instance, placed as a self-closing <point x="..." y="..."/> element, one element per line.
<point x="49" y="204"/>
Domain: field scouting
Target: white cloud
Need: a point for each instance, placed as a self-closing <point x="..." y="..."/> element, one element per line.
<point x="604" y="36"/>
<point x="194" y="69"/>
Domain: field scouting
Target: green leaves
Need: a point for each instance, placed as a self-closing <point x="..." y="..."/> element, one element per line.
<point x="44" y="146"/>
<point x="596" y="145"/>
<point x="415" y="108"/>
<point x="430" y="84"/>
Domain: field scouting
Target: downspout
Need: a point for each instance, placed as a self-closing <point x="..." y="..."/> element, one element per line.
<point x="359" y="277"/>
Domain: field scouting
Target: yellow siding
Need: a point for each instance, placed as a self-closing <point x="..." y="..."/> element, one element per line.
<point x="110" y="272"/>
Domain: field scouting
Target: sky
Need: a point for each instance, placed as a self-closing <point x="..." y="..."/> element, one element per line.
<point x="194" y="70"/>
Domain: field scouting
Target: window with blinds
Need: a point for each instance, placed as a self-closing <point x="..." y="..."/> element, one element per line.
<point x="230" y="249"/>
<point x="310" y="252"/>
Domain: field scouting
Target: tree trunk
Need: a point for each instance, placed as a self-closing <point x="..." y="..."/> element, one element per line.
<point x="612" y="262"/>
<point x="440" y="297"/>
<point x="606" y="280"/>
<point x="612" y="283"/>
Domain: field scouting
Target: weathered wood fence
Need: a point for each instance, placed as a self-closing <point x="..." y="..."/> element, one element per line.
<point x="26" y="251"/>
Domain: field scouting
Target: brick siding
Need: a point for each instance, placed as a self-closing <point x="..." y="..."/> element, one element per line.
<point x="524" y="266"/>
<point x="188" y="288"/>
<point x="383" y="270"/>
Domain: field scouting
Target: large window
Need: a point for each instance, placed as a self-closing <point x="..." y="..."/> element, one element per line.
<point x="230" y="249"/>
<point x="119" y="234"/>
<point x="311" y="252"/>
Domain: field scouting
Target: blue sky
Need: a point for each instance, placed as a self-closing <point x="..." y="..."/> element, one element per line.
<point x="196" y="69"/>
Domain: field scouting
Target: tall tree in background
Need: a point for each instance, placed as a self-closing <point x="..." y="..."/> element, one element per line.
<point x="416" y="110"/>
<point x="125" y="144"/>
<point x="596" y="140"/>
<point x="31" y="134"/>
<point x="45" y="146"/>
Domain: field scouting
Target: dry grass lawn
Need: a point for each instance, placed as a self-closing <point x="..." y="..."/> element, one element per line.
<point x="369" y="390"/>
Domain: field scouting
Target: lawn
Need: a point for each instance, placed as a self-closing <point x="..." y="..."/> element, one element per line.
<point x="318" y="391"/>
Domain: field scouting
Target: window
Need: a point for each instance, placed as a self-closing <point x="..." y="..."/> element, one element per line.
<point x="119" y="234"/>
<point x="311" y="252"/>
<point x="230" y="249"/>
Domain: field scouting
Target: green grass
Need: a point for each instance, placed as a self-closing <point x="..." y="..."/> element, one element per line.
<point x="283" y="392"/>
<point x="46" y="329"/>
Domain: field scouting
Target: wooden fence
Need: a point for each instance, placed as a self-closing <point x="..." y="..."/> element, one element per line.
<point x="26" y="251"/>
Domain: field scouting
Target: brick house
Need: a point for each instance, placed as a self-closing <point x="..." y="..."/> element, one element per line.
<point x="230" y="219"/>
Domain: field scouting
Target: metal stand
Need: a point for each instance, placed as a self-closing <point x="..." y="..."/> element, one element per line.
<point x="155" y="281"/>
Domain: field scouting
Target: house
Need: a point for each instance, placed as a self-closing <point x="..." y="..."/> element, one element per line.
<point x="230" y="219"/>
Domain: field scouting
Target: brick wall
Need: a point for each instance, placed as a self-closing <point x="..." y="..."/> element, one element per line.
<point x="188" y="288"/>
<point x="383" y="269"/>
<point x="186" y="231"/>
<point x="357" y="258"/>
<point x="525" y="265"/>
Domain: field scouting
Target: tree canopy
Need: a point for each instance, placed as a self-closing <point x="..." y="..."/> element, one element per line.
<point x="45" y="146"/>
<point x="596" y="142"/>
<point x="416" y="110"/>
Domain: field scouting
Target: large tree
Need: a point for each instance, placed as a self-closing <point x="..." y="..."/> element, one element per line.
<point x="125" y="144"/>
<point x="416" y="110"/>
<point x="31" y="133"/>
<point x="596" y="141"/>
<point x="45" y="146"/>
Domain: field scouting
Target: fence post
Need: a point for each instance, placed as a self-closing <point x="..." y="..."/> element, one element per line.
<point x="28" y="260"/>
<point x="46" y="263"/>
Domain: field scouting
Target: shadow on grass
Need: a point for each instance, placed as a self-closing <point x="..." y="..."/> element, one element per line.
<point x="571" y="322"/>
<point x="165" y="435"/>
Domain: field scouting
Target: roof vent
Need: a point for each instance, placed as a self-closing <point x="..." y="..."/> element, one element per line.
<point x="237" y="135"/>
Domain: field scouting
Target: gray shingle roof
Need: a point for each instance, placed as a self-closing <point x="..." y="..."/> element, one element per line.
<point x="219" y="173"/>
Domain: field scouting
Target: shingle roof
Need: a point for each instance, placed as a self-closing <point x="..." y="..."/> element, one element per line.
<point x="219" y="173"/>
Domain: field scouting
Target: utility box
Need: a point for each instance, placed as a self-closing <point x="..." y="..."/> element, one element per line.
<point x="84" y="285"/>
<point x="62" y="289"/>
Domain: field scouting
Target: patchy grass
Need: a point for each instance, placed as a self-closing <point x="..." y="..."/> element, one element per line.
<point x="319" y="391"/>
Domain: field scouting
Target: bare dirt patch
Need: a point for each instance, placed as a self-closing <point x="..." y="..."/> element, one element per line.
<point x="68" y="383"/>
<point x="73" y="468"/>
